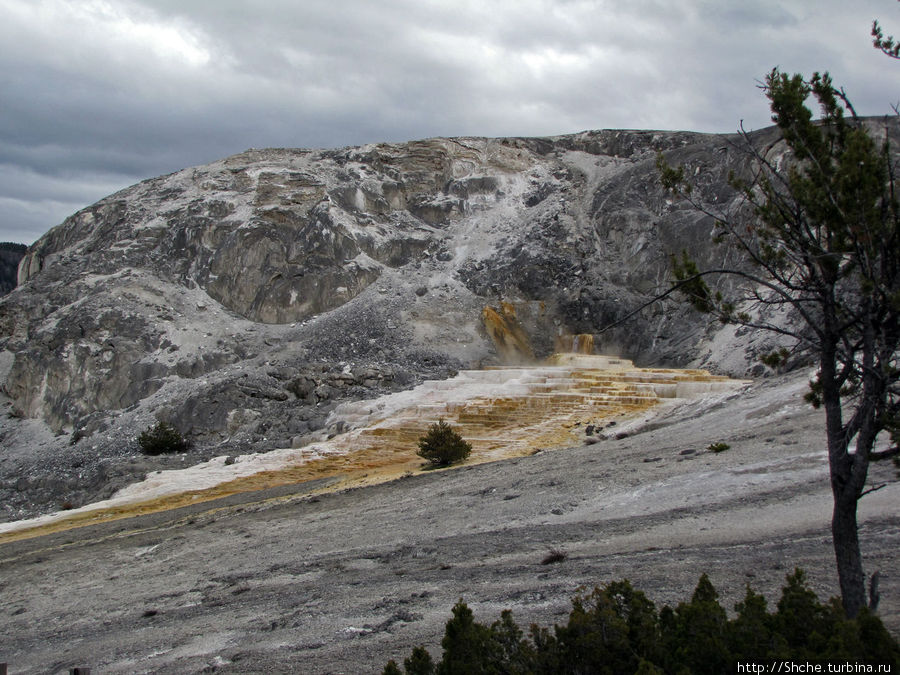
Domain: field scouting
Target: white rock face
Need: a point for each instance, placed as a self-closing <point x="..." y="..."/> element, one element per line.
<point x="243" y="300"/>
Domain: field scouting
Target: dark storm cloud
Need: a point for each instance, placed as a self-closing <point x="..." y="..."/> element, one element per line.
<point x="98" y="94"/>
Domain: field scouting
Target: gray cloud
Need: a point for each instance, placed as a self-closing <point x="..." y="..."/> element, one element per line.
<point x="99" y="94"/>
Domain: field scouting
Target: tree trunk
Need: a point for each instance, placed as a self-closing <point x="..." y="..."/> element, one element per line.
<point x="844" y="531"/>
<point x="848" y="478"/>
<point x="844" y="534"/>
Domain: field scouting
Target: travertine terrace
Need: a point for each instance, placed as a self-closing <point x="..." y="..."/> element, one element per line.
<point x="503" y="411"/>
<point x="509" y="411"/>
<point x="245" y="300"/>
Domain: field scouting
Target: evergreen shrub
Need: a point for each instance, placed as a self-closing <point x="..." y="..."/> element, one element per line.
<point x="162" y="439"/>
<point x="442" y="446"/>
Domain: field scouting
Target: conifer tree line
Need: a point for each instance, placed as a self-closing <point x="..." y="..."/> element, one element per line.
<point x="617" y="630"/>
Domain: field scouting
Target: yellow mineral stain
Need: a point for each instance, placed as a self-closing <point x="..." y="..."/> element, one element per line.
<point x="582" y="343"/>
<point x="509" y="338"/>
<point x="517" y="411"/>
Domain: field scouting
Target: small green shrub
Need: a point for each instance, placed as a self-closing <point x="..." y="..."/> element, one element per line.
<point x="442" y="446"/>
<point x="718" y="447"/>
<point x="162" y="439"/>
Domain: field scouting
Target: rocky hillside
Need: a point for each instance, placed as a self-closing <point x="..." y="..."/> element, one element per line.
<point x="242" y="300"/>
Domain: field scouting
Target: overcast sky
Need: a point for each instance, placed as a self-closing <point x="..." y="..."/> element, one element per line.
<point x="99" y="94"/>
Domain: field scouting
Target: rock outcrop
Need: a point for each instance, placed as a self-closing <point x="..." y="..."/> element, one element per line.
<point x="242" y="300"/>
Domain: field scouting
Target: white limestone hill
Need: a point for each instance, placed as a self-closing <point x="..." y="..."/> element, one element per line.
<point x="244" y="300"/>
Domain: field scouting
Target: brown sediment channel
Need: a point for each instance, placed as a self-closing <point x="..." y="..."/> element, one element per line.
<point x="503" y="412"/>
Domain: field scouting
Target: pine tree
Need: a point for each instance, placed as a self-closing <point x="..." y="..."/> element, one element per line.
<point x="820" y="227"/>
<point x="442" y="446"/>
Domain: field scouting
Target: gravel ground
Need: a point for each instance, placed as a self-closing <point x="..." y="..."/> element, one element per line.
<point x="292" y="581"/>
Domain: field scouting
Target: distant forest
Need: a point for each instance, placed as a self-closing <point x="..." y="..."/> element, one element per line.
<point x="10" y="255"/>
